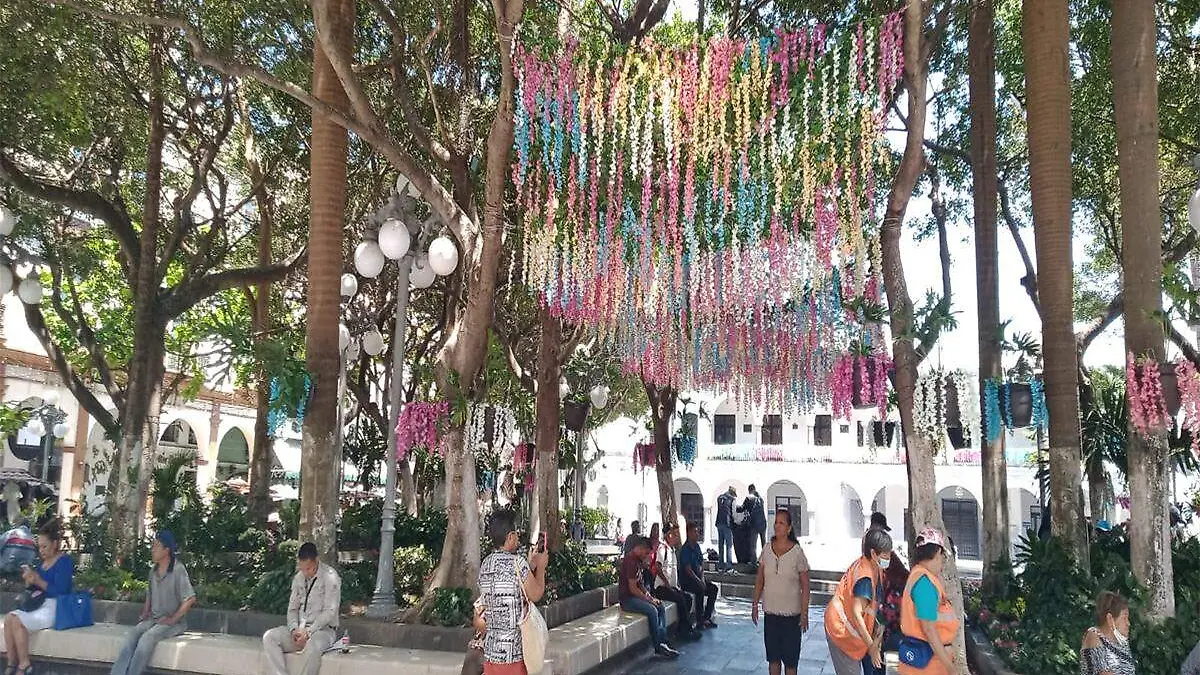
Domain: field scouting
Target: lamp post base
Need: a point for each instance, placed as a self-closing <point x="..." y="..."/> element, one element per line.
<point x="383" y="606"/>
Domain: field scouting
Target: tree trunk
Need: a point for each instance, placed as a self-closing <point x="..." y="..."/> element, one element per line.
<point x="548" y="423"/>
<point x="922" y="484"/>
<point x="466" y="347"/>
<point x="1136" y="98"/>
<point x="1097" y="493"/>
<point x="141" y="402"/>
<point x="260" y="460"/>
<point x="1045" y="39"/>
<point x="408" y="486"/>
<point x="981" y="48"/>
<point x="662" y="406"/>
<point x="327" y="184"/>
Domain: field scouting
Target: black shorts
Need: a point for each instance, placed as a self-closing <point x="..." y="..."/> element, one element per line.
<point x="782" y="635"/>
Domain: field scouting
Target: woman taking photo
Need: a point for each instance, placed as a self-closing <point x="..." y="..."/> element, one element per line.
<point x="1106" y="646"/>
<point x="45" y="583"/>
<point x="783" y="587"/>
<point x="854" y="637"/>
<point x="927" y="618"/>
<point x="507" y="582"/>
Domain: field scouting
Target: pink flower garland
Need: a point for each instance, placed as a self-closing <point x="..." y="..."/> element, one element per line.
<point x="841" y="384"/>
<point x="418" y="427"/>
<point x="1189" y="396"/>
<point x="1144" y="391"/>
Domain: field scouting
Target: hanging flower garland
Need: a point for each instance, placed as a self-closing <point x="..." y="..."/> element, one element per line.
<point x="418" y="427"/>
<point x="929" y="407"/>
<point x="994" y="421"/>
<point x="685" y="449"/>
<point x="525" y="465"/>
<point x="968" y="402"/>
<point x="1008" y="412"/>
<point x="1143" y="388"/>
<point x="643" y="457"/>
<point x="708" y="212"/>
<point x="1041" y="417"/>
<point x="288" y="399"/>
<point x="1189" y="398"/>
<point x="504" y="426"/>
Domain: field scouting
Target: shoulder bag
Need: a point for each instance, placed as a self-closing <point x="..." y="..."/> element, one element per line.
<point x="534" y="633"/>
<point x="74" y="610"/>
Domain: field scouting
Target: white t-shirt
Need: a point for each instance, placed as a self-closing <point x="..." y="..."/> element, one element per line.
<point x="669" y="565"/>
<point x="781" y="580"/>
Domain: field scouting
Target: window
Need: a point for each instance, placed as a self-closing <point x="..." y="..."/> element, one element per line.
<point x="691" y="505"/>
<point x="772" y="430"/>
<point x="860" y="434"/>
<point x="724" y="429"/>
<point x="823" y="430"/>
<point x="746" y="428"/>
<point x="843" y="428"/>
<point x="962" y="523"/>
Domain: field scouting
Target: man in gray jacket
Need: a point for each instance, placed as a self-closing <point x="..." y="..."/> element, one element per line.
<point x="313" y="613"/>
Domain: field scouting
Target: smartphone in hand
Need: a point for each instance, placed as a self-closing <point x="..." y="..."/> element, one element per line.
<point x="541" y="545"/>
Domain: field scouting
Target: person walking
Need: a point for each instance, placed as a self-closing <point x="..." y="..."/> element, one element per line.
<point x="507" y="581"/>
<point x="171" y="597"/>
<point x="314" y="612"/>
<point x="1105" y="649"/>
<point x="756" y="507"/>
<point x="691" y="577"/>
<point x="783" y="587"/>
<point x="725" y="528"/>
<point x="927" y="618"/>
<point x="855" y="638"/>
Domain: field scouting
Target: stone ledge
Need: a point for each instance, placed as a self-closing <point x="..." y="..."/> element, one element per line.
<point x="981" y="657"/>
<point x="582" y="645"/>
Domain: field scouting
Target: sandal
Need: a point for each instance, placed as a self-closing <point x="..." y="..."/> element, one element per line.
<point x="27" y="670"/>
<point x="10" y="670"/>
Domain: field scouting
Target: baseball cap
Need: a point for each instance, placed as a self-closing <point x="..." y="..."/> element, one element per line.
<point x="931" y="536"/>
<point x="880" y="520"/>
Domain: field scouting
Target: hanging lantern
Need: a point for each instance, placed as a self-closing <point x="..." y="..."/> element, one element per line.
<point x="599" y="396"/>
<point x="368" y="259"/>
<point x="8" y="221"/>
<point x="60" y="430"/>
<point x="30" y="291"/>
<point x="394" y="239"/>
<point x="564" y="389"/>
<point x="1194" y="210"/>
<point x="343" y="337"/>
<point x="349" y="285"/>
<point x="372" y="342"/>
<point x="443" y="256"/>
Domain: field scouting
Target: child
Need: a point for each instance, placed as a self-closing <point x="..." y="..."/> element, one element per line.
<point x="473" y="663"/>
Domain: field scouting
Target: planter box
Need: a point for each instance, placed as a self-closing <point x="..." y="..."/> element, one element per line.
<point x="981" y="657"/>
<point x="362" y="631"/>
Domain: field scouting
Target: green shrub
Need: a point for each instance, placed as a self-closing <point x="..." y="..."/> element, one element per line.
<point x="273" y="591"/>
<point x="452" y="606"/>
<point x="413" y="566"/>
<point x="427" y="529"/>
<point x="358" y="582"/>
<point x="572" y="571"/>
<point x="113" y="583"/>
<point x="223" y="595"/>
<point x="359" y="528"/>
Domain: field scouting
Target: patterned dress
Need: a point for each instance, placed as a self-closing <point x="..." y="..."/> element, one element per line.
<point x="1108" y="657"/>
<point x="501" y="576"/>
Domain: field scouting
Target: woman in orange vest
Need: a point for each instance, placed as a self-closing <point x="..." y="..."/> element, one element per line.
<point x="927" y="618"/>
<point x="850" y="626"/>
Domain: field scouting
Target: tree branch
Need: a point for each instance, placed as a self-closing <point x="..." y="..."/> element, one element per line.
<point x="1115" y="308"/>
<point x="186" y="295"/>
<point x="74" y="383"/>
<point x="1029" y="281"/>
<point x="1184" y="345"/>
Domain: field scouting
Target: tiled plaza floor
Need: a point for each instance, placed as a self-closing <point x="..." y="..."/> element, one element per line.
<point x="735" y="647"/>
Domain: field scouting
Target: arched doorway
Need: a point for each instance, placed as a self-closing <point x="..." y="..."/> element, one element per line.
<point x="233" y="456"/>
<point x="691" y="502"/>
<point x="892" y="502"/>
<point x="785" y="494"/>
<point x="960" y="513"/>
<point x="179" y="439"/>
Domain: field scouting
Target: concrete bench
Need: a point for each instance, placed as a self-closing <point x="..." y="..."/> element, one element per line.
<point x="574" y="648"/>
<point x="95" y="648"/>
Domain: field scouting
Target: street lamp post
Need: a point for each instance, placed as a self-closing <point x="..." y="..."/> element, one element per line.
<point x="398" y="230"/>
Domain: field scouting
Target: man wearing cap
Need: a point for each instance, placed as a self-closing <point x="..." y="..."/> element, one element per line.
<point x="167" y="603"/>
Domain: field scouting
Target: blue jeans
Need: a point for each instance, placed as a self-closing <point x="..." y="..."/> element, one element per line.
<point x="725" y="545"/>
<point x="870" y="669"/>
<point x="139" y="646"/>
<point x="656" y="614"/>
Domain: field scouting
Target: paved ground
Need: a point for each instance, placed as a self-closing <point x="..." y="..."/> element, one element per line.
<point x="735" y="647"/>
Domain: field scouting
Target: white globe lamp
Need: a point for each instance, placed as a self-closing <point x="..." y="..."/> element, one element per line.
<point x="564" y="389"/>
<point x="30" y="291"/>
<point x="1194" y="210"/>
<point x="8" y="221"/>
<point x="443" y="256"/>
<point x="422" y="274"/>
<point x="6" y="280"/>
<point x="394" y="239"/>
<point x="372" y="342"/>
<point x="368" y="259"/>
<point x="599" y="396"/>
<point x="349" y="285"/>
<point x="51" y="398"/>
<point x="37" y="427"/>
<point x="343" y="337"/>
<point x="60" y="430"/>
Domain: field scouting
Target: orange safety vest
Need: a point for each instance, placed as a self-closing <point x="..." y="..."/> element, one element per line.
<point x="839" y="611"/>
<point x="947" y="622"/>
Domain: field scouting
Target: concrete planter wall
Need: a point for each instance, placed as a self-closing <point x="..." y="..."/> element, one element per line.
<point x="981" y="657"/>
<point x="362" y="631"/>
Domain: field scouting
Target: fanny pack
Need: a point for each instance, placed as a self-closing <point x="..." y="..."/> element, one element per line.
<point x="915" y="653"/>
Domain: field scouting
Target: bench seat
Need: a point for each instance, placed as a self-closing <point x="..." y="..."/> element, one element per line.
<point x="581" y="645"/>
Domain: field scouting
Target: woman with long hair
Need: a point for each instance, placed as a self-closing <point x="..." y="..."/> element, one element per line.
<point x="783" y="587"/>
<point x="1105" y="648"/>
<point x="895" y="578"/>
<point x="49" y="580"/>
<point x="855" y="638"/>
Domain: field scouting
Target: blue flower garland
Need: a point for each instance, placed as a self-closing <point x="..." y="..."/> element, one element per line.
<point x="992" y="421"/>
<point x="1008" y="415"/>
<point x="685" y="449"/>
<point x="1041" y="418"/>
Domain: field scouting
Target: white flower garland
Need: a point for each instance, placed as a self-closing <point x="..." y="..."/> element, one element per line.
<point x="929" y="407"/>
<point x="968" y="403"/>
<point x="503" y="429"/>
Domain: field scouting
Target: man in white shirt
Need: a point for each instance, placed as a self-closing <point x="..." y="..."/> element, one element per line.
<point x="666" y="583"/>
<point x="313" y="614"/>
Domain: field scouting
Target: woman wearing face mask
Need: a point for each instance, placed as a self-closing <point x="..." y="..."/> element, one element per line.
<point x="927" y="618"/>
<point x="1106" y="646"/>
<point x="854" y="637"/>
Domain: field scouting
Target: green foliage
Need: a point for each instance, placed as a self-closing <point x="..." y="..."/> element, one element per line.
<point x="12" y="418"/>
<point x="452" y="606"/>
<point x="427" y="529"/>
<point x="112" y="583"/>
<point x="595" y="521"/>
<point x="572" y="571"/>
<point x="359" y="529"/>
<point x="272" y="592"/>
<point x="358" y="582"/>
<point x="414" y="564"/>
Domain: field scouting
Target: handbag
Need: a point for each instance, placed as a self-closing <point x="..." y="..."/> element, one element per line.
<point x="915" y="653"/>
<point x="74" y="611"/>
<point x="31" y="599"/>
<point x="534" y="633"/>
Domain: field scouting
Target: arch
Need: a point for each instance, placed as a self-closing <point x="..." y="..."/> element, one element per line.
<point x="233" y="455"/>
<point x="960" y="513"/>
<point x="1028" y="512"/>
<point x="690" y="501"/>
<point x="786" y="494"/>
<point x="96" y="468"/>
<point x="892" y="502"/>
<point x="854" y="518"/>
